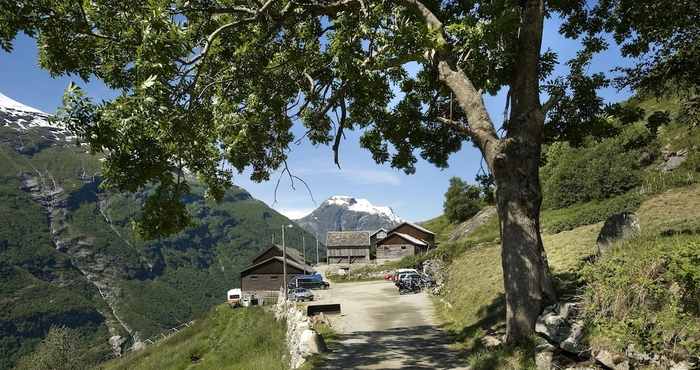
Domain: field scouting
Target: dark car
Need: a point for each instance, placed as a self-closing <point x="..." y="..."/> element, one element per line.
<point x="308" y="283"/>
<point x="428" y="280"/>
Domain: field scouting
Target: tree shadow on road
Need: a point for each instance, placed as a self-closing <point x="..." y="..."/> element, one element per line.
<point x="420" y="347"/>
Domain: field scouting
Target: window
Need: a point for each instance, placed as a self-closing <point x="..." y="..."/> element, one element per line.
<point x="253" y="277"/>
<point x="403" y="247"/>
<point x="274" y="277"/>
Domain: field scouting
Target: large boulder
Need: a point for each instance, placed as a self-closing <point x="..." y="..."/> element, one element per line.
<point x="620" y="226"/>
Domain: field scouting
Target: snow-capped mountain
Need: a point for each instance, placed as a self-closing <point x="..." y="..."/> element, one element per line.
<point x="20" y="117"/>
<point x="341" y="213"/>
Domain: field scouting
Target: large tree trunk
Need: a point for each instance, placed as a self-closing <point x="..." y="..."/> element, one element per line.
<point x="526" y="276"/>
<point x="514" y="162"/>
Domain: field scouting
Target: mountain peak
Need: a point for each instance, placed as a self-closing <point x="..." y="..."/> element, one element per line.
<point x="363" y="206"/>
<point x="341" y="213"/>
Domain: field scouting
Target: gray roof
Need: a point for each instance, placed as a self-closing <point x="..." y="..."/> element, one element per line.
<point x="306" y="268"/>
<point x="347" y="239"/>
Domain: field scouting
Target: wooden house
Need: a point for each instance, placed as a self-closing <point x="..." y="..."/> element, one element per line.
<point x="405" y="240"/>
<point x="347" y="246"/>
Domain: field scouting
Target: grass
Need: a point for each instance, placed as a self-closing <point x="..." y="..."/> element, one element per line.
<point x="225" y="338"/>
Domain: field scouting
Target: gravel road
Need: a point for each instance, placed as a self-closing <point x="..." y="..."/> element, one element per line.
<point x="382" y="329"/>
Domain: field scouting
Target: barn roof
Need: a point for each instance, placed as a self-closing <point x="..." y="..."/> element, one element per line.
<point x="413" y="226"/>
<point x="292" y="253"/>
<point x="347" y="239"/>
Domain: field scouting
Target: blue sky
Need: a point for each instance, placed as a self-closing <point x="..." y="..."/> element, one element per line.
<point x="415" y="198"/>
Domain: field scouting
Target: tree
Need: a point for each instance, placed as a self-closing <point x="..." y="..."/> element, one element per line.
<point x="207" y="84"/>
<point x="462" y="200"/>
<point x="62" y="349"/>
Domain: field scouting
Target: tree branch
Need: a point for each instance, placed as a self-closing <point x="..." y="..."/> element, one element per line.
<point x="327" y="9"/>
<point x="214" y="35"/>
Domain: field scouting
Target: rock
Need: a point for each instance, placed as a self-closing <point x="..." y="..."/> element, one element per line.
<point x="558" y="324"/>
<point x="683" y="365"/>
<point x="466" y="227"/>
<point x="490" y="341"/>
<point x="116" y="341"/>
<point x="672" y="161"/>
<point x="620" y="226"/>
<point x="544" y="356"/>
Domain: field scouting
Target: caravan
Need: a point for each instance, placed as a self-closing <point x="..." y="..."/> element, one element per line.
<point x="234" y="297"/>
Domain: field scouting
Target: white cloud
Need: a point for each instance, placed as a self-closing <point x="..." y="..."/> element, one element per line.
<point x="375" y="177"/>
<point x="294" y="214"/>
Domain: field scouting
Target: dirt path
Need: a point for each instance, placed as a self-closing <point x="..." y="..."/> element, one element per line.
<point x="384" y="330"/>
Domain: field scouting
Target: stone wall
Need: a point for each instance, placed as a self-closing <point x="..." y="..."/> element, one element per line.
<point x="302" y="341"/>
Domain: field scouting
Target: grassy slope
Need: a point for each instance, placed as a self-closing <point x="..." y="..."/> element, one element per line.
<point x="225" y="338"/>
<point x="468" y="310"/>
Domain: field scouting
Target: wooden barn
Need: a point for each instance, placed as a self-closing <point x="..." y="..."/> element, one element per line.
<point x="348" y="246"/>
<point x="267" y="272"/>
<point x="377" y="236"/>
<point x="416" y="232"/>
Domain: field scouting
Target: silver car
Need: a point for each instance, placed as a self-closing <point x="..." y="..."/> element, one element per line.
<point x="300" y="294"/>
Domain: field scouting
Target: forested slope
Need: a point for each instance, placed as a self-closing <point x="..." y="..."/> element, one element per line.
<point x="69" y="255"/>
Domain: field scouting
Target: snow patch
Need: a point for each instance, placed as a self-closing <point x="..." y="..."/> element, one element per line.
<point x="22" y="117"/>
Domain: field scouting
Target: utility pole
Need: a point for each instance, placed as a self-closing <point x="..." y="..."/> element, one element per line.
<point x="303" y="248"/>
<point x="284" y="264"/>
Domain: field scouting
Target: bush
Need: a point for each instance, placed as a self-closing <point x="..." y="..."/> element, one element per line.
<point x="601" y="171"/>
<point x="586" y="214"/>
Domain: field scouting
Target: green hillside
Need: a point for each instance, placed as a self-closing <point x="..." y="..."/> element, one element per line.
<point x="69" y="255"/>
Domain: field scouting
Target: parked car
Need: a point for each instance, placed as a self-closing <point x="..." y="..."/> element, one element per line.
<point x="308" y="282"/>
<point x="300" y="294"/>
<point x="396" y="275"/>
